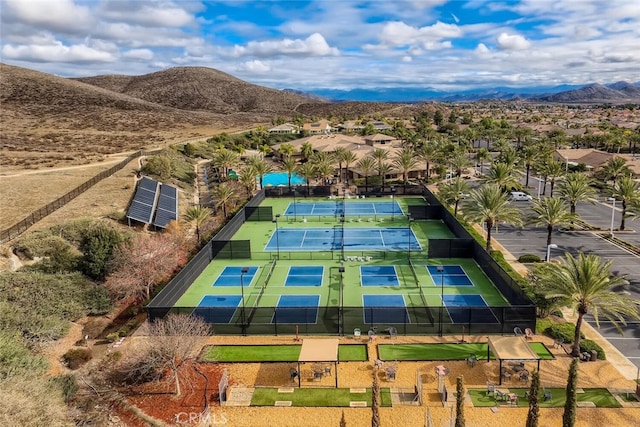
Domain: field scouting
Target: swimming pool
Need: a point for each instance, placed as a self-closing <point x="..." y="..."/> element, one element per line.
<point x="273" y="179"/>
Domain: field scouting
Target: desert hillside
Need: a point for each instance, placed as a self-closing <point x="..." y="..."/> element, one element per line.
<point x="200" y="88"/>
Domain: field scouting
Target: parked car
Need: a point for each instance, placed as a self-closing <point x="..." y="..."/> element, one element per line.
<point x="518" y="196"/>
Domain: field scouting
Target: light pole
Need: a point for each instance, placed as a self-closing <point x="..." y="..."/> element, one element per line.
<point x="393" y="192"/>
<point x="539" y="186"/>
<point x="613" y="211"/>
<point x="275" y="221"/>
<point x="342" y="238"/>
<point x="549" y="247"/>
<point x="295" y="218"/>
<point x="409" y="237"/>
<point x="441" y="271"/>
<point x="244" y="271"/>
<point x="341" y="325"/>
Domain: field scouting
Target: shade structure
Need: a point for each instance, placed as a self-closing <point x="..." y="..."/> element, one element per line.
<point x="319" y="350"/>
<point x="512" y="348"/>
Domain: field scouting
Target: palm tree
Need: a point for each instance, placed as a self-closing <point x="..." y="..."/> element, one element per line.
<point x="459" y="161"/>
<point x="197" y="216"/>
<point x="380" y="156"/>
<point x="366" y="165"/>
<point x="289" y="166"/>
<point x="340" y="155"/>
<point x="481" y="155"/>
<point x="585" y="284"/>
<point x="223" y="195"/>
<point x="348" y="158"/>
<point x="454" y="192"/>
<point x="550" y="212"/>
<point x="405" y="160"/>
<point x="576" y="187"/>
<point x="554" y="169"/>
<point x="489" y="205"/>
<point x="626" y="190"/>
<point x="528" y="155"/>
<point x="306" y="149"/>
<point x="571" y="402"/>
<point x="223" y="160"/>
<point x="324" y="171"/>
<point x="286" y="150"/>
<point x="308" y="172"/>
<point x="509" y="156"/>
<point x="260" y="166"/>
<point x="427" y="153"/>
<point x="384" y="171"/>
<point x="502" y="175"/>
<point x="615" y="167"/>
<point x="247" y="178"/>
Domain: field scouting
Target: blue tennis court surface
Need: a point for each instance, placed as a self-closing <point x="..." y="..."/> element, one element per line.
<point x="296" y="309"/>
<point x="355" y="239"/>
<point x="384" y="309"/>
<point x="379" y="275"/>
<point x="232" y="276"/>
<point x="335" y="208"/>
<point x="218" y="308"/>
<point x="305" y="276"/>
<point x="452" y="275"/>
<point x="468" y="309"/>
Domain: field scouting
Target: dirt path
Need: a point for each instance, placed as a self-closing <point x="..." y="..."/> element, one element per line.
<point x="54" y="351"/>
<point x="44" y="171"/>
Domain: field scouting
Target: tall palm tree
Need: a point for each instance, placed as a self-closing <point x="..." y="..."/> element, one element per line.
<point x="554" y="169"/>
<point x="308" y="172"/>
<point x="223" y="194"/>
<point x="550" y="212"/>
<point x="324" y="171"/>
<point x="427" y="153"/>
<point x="615" y="167"/>
<point x="509" y="156"/>
<point x="454" y="192"/>
<point x="366" y="165"/>
<point x="197" y="216"/>
<point x="223" y="160"/>
<point x="528" y="156"/>
<point x="459" y="162"/>
<point x="585" y="284"/>
<point x="482" y="154"/>
<point x="489" y="205"/>
<point x="502" y="175"/>
<point x="289" y="166"/>
<point x="260" y="166"/>
<point x="247" y="178"/>
<point x="625" y="190"/>
<point x="384" y="171"/>
<point x="306" y="149"/>
<point x="348" y="158"/>
<point x="576" y="187"/>
<point x="340" y="155"/>
<point x="405" y="160"/>
<point x="380" y="156"/>
<point x="286" y="150"/>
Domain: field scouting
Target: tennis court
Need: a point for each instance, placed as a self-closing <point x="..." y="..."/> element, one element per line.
<point x="451" y="275"/>
<point x="218" y="308"/>
<point x="378" y="275"/>
<point x="296" y="309"/>
<point x="353" y="239"/>
<point x="339" y="207"/>
<point x="305" y="276"/>
<point x="233" y="276"/>
<point x="385" y="309"/>
<point x="468" y="309"/>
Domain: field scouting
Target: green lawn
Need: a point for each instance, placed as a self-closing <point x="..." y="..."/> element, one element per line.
<point x="274" y="353"/>
<point x="327" y="397"/>
<point x="601" y="397"/>
<point x="446" y="351"/>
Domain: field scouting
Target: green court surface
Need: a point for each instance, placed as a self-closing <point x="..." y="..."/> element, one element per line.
<point x="600" y="397"/>
<point x="452" y="351"/>
<point x="327" y="397"/>
<point x="275" y="353"/>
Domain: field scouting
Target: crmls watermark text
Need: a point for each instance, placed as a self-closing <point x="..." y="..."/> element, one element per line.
<point x="200" y="418"/>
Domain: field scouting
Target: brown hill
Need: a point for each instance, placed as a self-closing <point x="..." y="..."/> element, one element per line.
<point x="593" y="93"/>
<point x="200" y="88"/>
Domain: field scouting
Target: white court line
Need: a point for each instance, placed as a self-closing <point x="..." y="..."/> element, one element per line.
<point x="304" y="236"/>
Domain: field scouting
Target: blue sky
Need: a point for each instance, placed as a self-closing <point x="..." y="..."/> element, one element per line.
<point x="336" y="44"/>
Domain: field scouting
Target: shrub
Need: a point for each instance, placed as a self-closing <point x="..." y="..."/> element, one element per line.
<point x="68" y="385"/>
<point x="566" y="331"/>
<point x="529" y="258"/>
<point x="76" y="357"/>
<point x="98" y="245"/>
<point x="113" y="336"/>
<point x="588" y="345"/>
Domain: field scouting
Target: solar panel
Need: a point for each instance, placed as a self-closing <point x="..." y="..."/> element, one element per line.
<point x="167" y="206"/>
<point x="144" y="201"/>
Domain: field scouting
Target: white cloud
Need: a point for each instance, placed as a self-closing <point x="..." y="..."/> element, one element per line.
<point x="407" y="58"/>
<point x="512" y="42"/>
<point x="254" y="67"/>
<point x="314" y="45"/>
<point x="138" y="54"/>
<point x="482" y="49"/>
<point x="400" y="34"/>
<point x="147" y="13"/>
<point x="60" y="15"/>
<point x="56" y="51"/>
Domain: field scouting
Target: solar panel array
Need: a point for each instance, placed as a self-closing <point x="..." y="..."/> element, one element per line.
<point x="167" y="206"/>
<point x="144" y="201"/>
<point x="154" y="202"/>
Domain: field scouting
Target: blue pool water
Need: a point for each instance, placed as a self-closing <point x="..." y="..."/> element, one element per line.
<point x="273" y="179"/>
